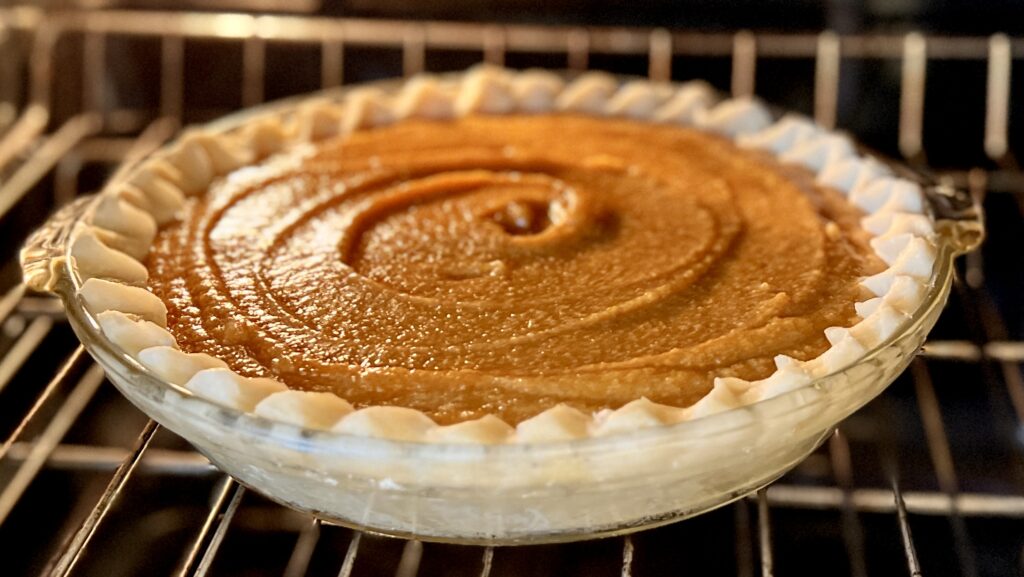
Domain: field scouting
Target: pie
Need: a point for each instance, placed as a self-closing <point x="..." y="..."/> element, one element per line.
<point x="505" y="257"/>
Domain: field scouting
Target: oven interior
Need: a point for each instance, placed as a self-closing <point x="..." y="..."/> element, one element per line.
<point x="926" y="480"/>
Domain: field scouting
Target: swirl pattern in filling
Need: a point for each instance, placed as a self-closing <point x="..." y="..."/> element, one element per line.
<point x="503" y="265"/>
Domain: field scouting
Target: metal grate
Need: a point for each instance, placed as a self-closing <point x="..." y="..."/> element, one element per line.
<point x="928" y="479"/>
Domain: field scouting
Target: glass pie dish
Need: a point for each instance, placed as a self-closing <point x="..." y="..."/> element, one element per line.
<point x="508" y="493"/>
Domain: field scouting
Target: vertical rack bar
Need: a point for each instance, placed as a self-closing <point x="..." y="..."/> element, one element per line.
<point x="8" y="75"/>
<point x="889" y="458"/>
<point x="487" y="562"/>
<point x="942" y="458"/>
<point x="350" y="555"/>
<point x="409" y="563"/>
<point x="744" y="546"/>
<point x="1014" y="386"/>
<point x="192" y="562"/>
<point x="41" y="66"/>
<point x="659" y="66"/>
<point x="172" y="76"/>
<point x="222" y="529"/>
<point x="909" y="551"/>
<point x="68" y="558"/>
<point x="627" y="556"/>
<point x="18" y="130"/>
<point x="935" y="432"/>
<point x="332" y="63"/>
<point x="977" y="182"/>
<point x="494" y="45"/>
<point x="42" y="447"/>
<point x="10" y="301"/>
<point x="912" y="90"/>
<point x="65" y="178"/>
<point x="764" y="533"/>
<point x="54" y="383"/>
<point x="826" y="79"/>
<point x="853" y="532"/>
<point x="744" y="63"/>
<point x="578" y="49"/>
<point x="23" y="132"/>
<point x="298" y="563"/>
<point x="254" y="54"/>
<point x="27" y="343"/>
<point x="94" y="51"/>
<point x="997" y="104"/>
<point x="413" y="51"/>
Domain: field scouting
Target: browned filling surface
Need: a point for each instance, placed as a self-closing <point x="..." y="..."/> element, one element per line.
<point x="506" y="264"/>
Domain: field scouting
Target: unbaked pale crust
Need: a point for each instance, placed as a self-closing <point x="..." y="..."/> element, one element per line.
<point x="122" y="225"/>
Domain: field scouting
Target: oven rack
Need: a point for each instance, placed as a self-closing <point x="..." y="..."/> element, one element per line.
<point x="51" y="150"/>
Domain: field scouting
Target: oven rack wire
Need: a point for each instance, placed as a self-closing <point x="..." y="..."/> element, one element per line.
<point x="45" y="151"/>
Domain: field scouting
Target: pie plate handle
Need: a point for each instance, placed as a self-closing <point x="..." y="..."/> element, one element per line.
<point x="958" y="214"/>
<point x="44" y="254"/>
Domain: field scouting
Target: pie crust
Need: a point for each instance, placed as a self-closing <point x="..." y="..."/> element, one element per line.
<point x="122" y="223"/>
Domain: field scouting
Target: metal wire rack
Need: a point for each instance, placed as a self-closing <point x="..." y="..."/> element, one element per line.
<point x="928" y="479"/>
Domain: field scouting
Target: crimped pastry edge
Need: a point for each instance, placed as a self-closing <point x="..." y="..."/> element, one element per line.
<point x="122" y="223"/>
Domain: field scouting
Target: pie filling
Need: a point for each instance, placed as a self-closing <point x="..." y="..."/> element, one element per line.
<point x="505" y="264"/>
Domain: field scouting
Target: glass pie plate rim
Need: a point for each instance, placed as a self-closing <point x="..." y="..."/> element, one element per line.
<point x="958" y="230"/>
